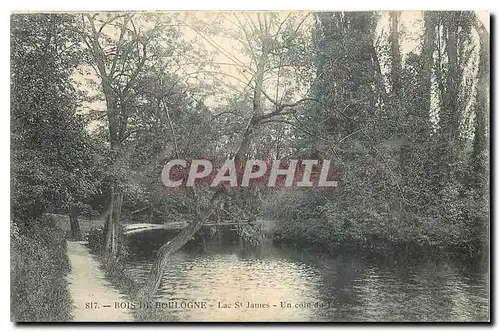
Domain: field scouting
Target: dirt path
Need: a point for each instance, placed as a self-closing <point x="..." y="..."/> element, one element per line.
<point x="87" y="284"/>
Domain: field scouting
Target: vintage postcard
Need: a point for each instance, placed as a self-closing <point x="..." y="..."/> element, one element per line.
<point x="218" y="166"/>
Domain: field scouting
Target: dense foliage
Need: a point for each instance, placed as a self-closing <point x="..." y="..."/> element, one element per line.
<point x="100" y="102"/>
<point x="52" y="162"/>
<point x="403" y="147"/>
<point x="39" y="264"/>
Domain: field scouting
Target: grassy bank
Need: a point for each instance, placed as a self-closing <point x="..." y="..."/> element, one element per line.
<point x="39" y="265"/>
<point x="419" y="243"/>
<point x="118" y="276"/>
<point x="114" y="269"/>
<point x="316" y="223"/>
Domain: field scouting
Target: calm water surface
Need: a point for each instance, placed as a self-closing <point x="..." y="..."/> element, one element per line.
<point x="288" y="285"/>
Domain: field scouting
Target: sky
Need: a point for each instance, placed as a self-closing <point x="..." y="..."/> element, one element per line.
<point x="214" y="33"/>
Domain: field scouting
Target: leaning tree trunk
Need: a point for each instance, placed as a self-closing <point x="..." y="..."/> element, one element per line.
<point x="153" y="282"/>
<point x="75" y="226"/>
<point x="163" y="256"/>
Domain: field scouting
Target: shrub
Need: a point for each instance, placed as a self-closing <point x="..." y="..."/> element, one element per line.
<point x="39" y="264"/>
<point x="96" y="240"/>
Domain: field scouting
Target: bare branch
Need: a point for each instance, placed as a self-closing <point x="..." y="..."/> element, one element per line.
<point x="113" y="18"/>
<point x="119" y="44"/>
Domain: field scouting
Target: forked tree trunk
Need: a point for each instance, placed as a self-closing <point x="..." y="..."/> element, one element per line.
<point x="117" y="119"/>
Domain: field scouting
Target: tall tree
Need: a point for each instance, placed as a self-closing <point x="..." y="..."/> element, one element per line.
<point x="261" y="45"/>
<point x="122" y="49"/>
<point x="52" y="154"/>
<point x="481" y="128"/>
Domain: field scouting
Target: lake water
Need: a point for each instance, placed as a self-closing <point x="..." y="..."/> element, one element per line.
<point x="277" y="284"/>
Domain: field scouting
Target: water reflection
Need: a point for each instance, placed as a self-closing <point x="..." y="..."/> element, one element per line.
<point x="285" y="285"/>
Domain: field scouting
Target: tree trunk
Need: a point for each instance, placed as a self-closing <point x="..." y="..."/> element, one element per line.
<point x="427" y="61"/>
<point x="396" y="56"/>
<point x="257" y="104"/>
<point x="109" y="229"/>
<point x="116" y="118"/>
<point x="480" y="144"/>
<point x="116" y="223"/>
<point x="113" y="222"/>
<point x="75" y="226"/>
<point x="451" y="112"/>
<point x="149" y="289"/>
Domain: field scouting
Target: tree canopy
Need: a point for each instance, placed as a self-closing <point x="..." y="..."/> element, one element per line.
<point x="101" y="101"/>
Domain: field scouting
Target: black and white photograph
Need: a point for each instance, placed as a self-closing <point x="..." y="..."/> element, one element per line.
<point x="250" y="166"/>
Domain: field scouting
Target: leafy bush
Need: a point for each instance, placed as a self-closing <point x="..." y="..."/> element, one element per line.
<point x="39" y="264"/>
<point x="96" y="240"/>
